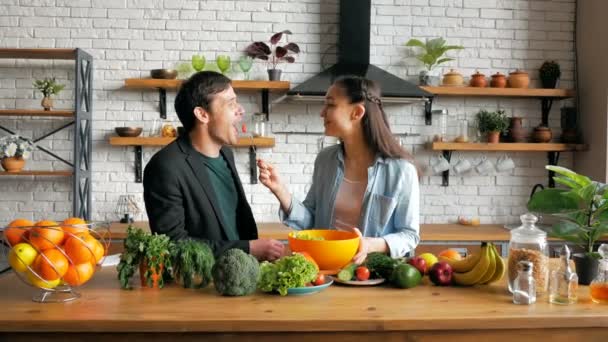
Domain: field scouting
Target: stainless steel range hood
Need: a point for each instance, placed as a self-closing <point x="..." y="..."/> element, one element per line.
<point x="353" y="59"/>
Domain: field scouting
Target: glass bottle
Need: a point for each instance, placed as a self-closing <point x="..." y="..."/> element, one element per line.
<point x="528" y="243"/>
<point x="599" y="285"/>
<point x="524" y="285"/>
<point x="463" y="132"/>
<point x="259" y="120"/>
<point x="564" y="282"/>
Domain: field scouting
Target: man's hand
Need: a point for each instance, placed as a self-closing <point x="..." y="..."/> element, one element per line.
<point x="266" y="249"/>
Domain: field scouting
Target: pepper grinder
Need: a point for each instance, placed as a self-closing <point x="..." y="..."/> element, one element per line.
<point x="564" y="282"/>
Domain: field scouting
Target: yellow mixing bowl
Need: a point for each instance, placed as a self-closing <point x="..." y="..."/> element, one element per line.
<point x="334" y="252"/>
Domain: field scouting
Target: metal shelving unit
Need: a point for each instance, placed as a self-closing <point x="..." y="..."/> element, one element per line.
<point x="81" y="124"/>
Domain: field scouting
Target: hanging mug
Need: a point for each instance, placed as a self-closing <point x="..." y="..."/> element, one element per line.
<point x="505" y="163"/>
<point x="462" y="166"/>
<point x="440" y="164"/>
<point x="484" y="167"/>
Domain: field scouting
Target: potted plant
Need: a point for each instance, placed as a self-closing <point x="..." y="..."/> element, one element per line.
<point x="48" y="87"/>
<point x="151" y="253"/>
<point x="492" y="124"/>
<point x="549" y="74"/>
<point x="583" y="212"/>
<point x="273" y="54"/>
<point x="192" y="263"/>
<point x="431" y="55"/>
<point x="14" y="150"/>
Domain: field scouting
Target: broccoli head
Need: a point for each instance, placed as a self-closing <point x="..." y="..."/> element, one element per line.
<point x="235" y="273"/>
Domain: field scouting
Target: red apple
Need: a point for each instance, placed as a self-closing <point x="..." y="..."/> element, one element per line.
<point x="419" y="263"/>
<point x="441" y="274"/>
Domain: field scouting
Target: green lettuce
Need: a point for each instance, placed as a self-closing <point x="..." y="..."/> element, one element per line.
<point x="287" y="272"/>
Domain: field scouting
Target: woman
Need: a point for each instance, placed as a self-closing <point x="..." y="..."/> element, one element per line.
<point x="367" y="181"/>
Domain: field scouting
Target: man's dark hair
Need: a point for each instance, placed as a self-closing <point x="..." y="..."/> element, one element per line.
<point x="198" y="91"/>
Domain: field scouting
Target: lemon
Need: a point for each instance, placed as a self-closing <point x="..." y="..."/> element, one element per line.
<point x="21" y="256"/>
<point x="430" y="259"/>
<point x="41" y="283"/>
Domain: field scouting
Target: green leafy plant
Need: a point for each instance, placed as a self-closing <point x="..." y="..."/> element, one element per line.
<point x="192" y="263"/>
<point x="139" y="246"/>
<point x="550" y="70"/>
<point x="16" y="146"/>
<point x="432" y="51"/>
<point x="582" y="208"/>
<point x="492" y="121"/>
<point x="48" y="86"/>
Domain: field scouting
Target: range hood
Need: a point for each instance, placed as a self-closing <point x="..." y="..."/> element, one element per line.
<point x="353" y="59"/>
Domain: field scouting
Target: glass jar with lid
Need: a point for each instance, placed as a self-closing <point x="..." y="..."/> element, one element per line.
<point x="528" y="243"/>
<point x="599" y="285"/>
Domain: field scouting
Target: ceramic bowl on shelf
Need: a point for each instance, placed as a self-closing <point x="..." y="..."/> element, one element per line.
<point x="166" y="74"/>
<point x="130" y="132"/>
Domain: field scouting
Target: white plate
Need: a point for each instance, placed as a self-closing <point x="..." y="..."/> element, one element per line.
<point x="369" y="282"/>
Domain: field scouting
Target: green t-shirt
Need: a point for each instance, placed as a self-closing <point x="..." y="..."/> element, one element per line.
<point x="221" y="178"/>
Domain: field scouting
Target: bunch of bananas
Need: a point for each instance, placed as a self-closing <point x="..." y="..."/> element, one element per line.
<point x="485" y="267"/>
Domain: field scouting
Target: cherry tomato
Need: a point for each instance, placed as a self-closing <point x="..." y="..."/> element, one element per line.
<point x="320" y="280"/>
<point x="362" y="273"/>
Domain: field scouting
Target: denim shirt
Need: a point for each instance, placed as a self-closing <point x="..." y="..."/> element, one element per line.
<point x="391" y="203"/>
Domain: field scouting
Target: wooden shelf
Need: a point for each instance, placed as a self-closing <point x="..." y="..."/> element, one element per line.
<point x="502" y="92"/>
<point x="514" y="147"/>
<point x="37" y="173"/>
<point x="38" y="53"/>
<point x="152" y="83"/>
<point x="162" y="141"/>
<point x="36" y="112"/>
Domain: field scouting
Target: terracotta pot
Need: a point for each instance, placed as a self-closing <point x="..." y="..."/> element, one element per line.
<point x="498" y="81"/>
<point x="493" y="137"/>
<point x="47" y="103"/>
<point x="478" y="80"/>
<point x="519" y="79"/>
<point x="453" y="79"/>
<point x="516" y="132"/>
<point x="13" y="164"/>
<point x="143" y="267"/>
<point x="542" y="134"/>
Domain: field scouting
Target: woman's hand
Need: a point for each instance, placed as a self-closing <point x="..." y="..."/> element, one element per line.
<point x="269" y="176"/>
<point x="361" y="255"/>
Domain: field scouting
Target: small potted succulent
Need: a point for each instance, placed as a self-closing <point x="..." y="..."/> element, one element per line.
<point x="48" y="87"/>
<point x="549" y="74"/>
<point x="14" y="150"/>
<point x="431" y="55"/>
<point x="273" y="54"/>
<point x="492" y="124"/>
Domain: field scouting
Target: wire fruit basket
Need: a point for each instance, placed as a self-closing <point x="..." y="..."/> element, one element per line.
<point x="56" y="258"/>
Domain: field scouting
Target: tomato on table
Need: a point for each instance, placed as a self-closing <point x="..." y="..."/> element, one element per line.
<point x="362" y="273"/>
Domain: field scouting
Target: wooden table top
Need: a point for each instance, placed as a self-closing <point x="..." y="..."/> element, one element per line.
<point x="104" y="307"/>
<point x="428" y="232"/>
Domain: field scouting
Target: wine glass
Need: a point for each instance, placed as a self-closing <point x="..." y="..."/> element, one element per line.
<point x="198" y="62"/>
<point x="223" y="62"/>
<point x="245" y="63"/>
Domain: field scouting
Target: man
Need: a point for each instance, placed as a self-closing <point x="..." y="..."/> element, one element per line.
<point x="191" y="187"/>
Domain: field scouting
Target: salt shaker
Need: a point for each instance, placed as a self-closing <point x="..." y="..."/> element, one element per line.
<point x="524" y="286"/>
<point x="564" y="282"/>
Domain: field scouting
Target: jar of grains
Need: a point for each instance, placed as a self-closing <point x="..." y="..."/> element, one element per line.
<point x="530" y="244"/>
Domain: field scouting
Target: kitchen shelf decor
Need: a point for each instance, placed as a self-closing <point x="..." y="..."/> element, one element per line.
<point x="553" y="150"/>
<point x="139" y="142"/>
<point x="163" y="85"/>
<point x="81" y="124"/>
<point x="547" y="96"/>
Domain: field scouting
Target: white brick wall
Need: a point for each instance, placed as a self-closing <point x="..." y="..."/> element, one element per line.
<point x="129" y="37"/>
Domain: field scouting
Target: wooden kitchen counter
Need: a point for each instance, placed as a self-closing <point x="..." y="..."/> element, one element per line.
<point x="425" y="313"/>
<point x="428" y="232"/>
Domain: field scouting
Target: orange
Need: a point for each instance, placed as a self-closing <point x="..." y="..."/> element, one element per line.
<point x="46" y="234"/>
<point x="450" y="254"/>
<point x="99" y="251"/>
<point x="73" y="226"/>
<point x="80" y="248"/>
<point x="51" y="264"/>
<point x="78" y="274"/>
<point x="16" y="230"/>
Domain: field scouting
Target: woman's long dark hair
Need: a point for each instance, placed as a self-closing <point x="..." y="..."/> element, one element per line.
<point x="376" y="129"/>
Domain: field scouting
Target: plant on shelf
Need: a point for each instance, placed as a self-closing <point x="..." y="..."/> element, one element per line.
<point x="431" y="55"/>
<point x="582" y="208"/>
<point x="549" y="74"/>
<point x="492" y="124"/>
<point x="14" y="150"/>
<point x="273" y="54"/>
<point x="48" y="87"/>
<point x="151" y="253"/>
<point x="192" y="263"/>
